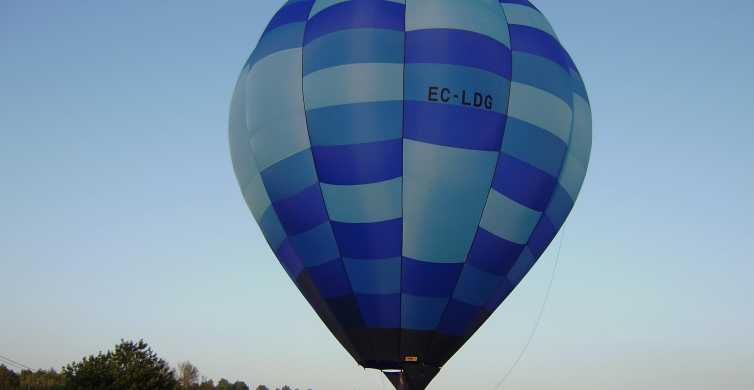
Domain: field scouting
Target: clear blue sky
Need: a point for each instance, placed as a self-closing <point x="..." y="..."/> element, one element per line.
<point x="120" y="216"/>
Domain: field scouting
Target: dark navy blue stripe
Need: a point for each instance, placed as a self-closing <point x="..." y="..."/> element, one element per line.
<point x="523" y="183"/>
<point x="503" y="290"/>
<point x="456" y="126"/>
<point x="458" y="317"/>
<point x="356" y="14"/>
<point x="346" y="311"/>
<point x="458" y="47"/>
<point x="359" y="164"/>
<point x="377" y="240"/>
<point x="302" y="211"/>
<point x="560" y="206"/>
<point x="542" y="236"/>
<point x="429" y="279"/>
<point x="380" y="311"/>
<point x="289" y="259"/>
<point x="538" y="42"/>
<point x="291" y="13"/>
<point x="492" y="253"/>
<point x="331" y="279"/>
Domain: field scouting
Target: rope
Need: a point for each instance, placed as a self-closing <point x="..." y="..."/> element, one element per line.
<point x="539" y="316"/>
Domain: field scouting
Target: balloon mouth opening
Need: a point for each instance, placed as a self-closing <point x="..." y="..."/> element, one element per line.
<point x="413" y="376"/>
<point x="391" y="367"/>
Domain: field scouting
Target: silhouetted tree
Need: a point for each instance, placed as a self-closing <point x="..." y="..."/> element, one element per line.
<point x="262" y="387"/>
<point x="8" y="378"/>
<point x="207" y="384"/>
<point x="131" y="366"/>
<point x="240" y="385"/>
<point x="41" y="379"/>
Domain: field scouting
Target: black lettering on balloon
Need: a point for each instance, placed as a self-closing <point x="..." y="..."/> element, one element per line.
<point x="432" y="95"/>
<point x="464" y="97"/>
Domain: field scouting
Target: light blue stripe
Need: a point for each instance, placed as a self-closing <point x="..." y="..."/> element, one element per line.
<point x="533" y="145"/>
<point x="290" y="176"/>
<point x="457" y="78"/>
<point x="476" y="287"/>
<point x="507" y="219"/>
<point x="356" y="123"/>
<point x="540" y="108"/>
<point x="256" y="195"/>
<point x="364" y="203"/>
<point x="524" y="263"/>
<point x="539" y="72"/>
<point x="359" y="45"/>
<point x="481" y="16"/>
<point x="280" y="139"/>
<point x="578" y="85"/>
<point x="274" y="108"/>
<point x="381" y="276"/>
<point x="527" y="16"/>
<point x="581" y="139"/>
<point x="444" y="192"/>
<point x="240" y="150"/>
<point x="287" y="36"/>
<point x="353" y="83"/>
<point x="317" y="246"/>
<point x="321" y="5"/>
<point x="271" y="228"/>
<point x="572" y="176"/>
<point x="421" y="313"/>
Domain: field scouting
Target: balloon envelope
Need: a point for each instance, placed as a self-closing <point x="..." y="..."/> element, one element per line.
<point x="408" y="162"/>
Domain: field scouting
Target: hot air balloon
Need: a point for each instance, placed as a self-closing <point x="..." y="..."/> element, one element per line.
<point x="408" y="161"/>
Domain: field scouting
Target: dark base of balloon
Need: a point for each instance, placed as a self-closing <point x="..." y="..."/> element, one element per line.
<point x="412" y="377"/>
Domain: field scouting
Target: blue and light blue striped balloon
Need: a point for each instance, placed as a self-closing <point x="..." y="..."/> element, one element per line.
<point x="408" y="161"/>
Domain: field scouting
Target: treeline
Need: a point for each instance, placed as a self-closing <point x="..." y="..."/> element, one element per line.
<point x="129" y="366"/>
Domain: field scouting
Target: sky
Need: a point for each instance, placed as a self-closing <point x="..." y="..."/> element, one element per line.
<point x="120" y="216"/>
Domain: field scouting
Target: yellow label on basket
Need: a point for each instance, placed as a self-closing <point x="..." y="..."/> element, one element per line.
<point x="411" y="359"/>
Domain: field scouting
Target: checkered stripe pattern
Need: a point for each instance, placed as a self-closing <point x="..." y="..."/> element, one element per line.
<point x="406" y="218"/>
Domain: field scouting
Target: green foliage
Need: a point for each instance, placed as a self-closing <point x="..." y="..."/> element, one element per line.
<point x="223" y="384"/>
<point x="41" y="380"/>
<point x="262" y="387"/>
<point x="239" y="385"/>
<point x="132" y="366"/>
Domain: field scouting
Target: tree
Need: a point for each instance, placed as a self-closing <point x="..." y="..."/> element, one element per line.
<point x="224" y="384"/>
<point x="262" y="387"/>
<point x="131" y="366"/>
<point x="41" y="379"/>
<point x="8" y="378"/>
<point x="207" y="384"/>
<point x="240" y="385"/>
<point x="188" y="375"/>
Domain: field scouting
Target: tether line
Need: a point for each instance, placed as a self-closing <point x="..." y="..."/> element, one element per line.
<point x="539" y="316"/>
